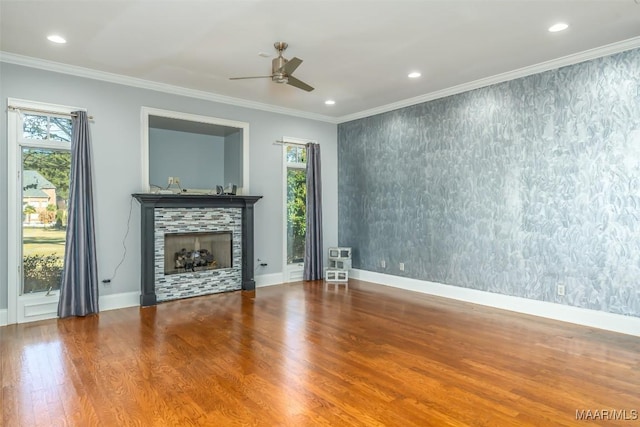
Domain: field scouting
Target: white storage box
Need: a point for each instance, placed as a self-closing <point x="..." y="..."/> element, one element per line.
<point x="339" y="264"/>
<point x="340" y="253"/>
<point x="340" y="276"/>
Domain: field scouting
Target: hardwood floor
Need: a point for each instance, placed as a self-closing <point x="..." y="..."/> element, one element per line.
<point x="307" y="354"/>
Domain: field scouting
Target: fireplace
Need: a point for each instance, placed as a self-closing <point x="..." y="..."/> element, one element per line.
<point x="194" y="244"/>
<point x="197" y="251"/>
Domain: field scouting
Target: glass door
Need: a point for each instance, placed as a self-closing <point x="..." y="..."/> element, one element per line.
<point x="45" y="192"/>
<point x="295" y="189"/>
<point x="39" y="173"/>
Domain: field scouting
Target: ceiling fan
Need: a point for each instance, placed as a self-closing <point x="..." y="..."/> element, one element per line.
<point x="281" y="69"/>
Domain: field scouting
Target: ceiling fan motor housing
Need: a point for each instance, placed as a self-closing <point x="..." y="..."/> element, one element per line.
<point x="276" y="67"/>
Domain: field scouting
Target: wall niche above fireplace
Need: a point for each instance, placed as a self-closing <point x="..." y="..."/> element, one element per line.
<point x="202" y="151"/>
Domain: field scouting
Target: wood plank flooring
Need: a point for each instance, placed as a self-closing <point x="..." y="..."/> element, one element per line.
<point x="310" y="354"/>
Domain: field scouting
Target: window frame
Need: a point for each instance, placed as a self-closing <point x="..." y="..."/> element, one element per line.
<point x="28" y="307"/>
<point x="291" y="272"/>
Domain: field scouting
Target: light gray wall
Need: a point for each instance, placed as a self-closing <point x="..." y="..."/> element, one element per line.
<point x="197" y="159"/>
<point x="116" y="136"/>
<point x="511" y="189"/>
<point x="233" y="159"/>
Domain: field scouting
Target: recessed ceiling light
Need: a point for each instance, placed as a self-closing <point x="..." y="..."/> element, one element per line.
<point x="330" y="102"/>
<point x="560" y="26"/>
<point x="56" y="39"/>
<point x="414" y="75"/>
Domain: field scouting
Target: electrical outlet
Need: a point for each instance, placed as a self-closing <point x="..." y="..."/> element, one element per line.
<point x="561" y="290"/>
<point x="402" y="266"/>
<point x="170" y="181"/>
<point x="383" y="264"/>
<point x="176" y="180"/>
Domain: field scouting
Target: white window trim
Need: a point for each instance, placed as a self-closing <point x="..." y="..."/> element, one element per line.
<point x="291" y="272"/>
<point x="24" y="308"/>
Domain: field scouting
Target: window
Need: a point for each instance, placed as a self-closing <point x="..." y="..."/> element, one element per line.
<point x="45" y="168"/>
<point x="45" y="181"/>
<point x="48" y="128"/>
<point x="38" y="170"/>
<point x="296" y="187"/>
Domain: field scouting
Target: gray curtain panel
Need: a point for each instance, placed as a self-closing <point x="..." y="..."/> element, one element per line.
<point x="79" y="288"/>
<point x="313" y="251"/>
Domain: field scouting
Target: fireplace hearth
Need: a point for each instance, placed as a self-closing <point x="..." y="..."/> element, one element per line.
<point x="193" y="244"/>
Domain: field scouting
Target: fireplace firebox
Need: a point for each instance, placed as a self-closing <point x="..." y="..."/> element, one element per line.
<point x="199" y="251"/>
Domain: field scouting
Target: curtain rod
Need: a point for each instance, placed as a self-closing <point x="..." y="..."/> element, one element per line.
<point x="280" y="142"/>
<point x="33" y="110"/>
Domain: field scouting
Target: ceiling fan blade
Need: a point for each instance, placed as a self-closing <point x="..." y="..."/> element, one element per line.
<point x="244" y="78"/>
<point x="291" y="65"/>
<point x="299" y="84"/>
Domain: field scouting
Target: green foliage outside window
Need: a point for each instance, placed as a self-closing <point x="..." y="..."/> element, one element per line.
<point x="41" y="272"/>
<point x="296" y="214"/>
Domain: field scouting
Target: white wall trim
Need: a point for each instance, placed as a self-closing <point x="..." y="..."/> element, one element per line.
<point x="88" y="73"/>
<point x="3" y="317"/>
<point x="121" y="300"/>
<point x="596" y="319"/>
<point x="564" y="61"/>
<point x="269" y="280"/>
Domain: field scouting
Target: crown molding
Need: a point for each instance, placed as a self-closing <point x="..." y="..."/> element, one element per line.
<point x="89" y="73"/>
<point x="564" y="61"/>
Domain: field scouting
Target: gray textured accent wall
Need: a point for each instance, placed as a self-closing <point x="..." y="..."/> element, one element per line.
<point x="513" y="188"/>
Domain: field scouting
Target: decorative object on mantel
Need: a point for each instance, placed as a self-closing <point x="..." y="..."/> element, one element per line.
<point x="339" y="265"/>
<point x="208" y="209"/>
<point x="231" y="189"/>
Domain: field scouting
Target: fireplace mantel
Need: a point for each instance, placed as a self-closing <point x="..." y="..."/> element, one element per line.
<point x="150" y="201"/>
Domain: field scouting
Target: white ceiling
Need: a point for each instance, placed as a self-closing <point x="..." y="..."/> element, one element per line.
<point x="356" y="52"/>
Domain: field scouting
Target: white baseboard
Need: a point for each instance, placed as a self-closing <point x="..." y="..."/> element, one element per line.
<point x="122" y="300"/>
<point x="596" y="319"/>
<point x="269" y="280"/>
<point x="4" y="317"/>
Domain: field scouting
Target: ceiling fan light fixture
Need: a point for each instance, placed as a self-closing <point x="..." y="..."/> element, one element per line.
<point x="414" y="74"/>
<point x="280" y="78"/>
<point x="330" y="102"/>
<point x="560" y="26"/>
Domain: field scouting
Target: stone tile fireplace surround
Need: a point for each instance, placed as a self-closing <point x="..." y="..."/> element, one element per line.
<point x="194" y="213"/>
